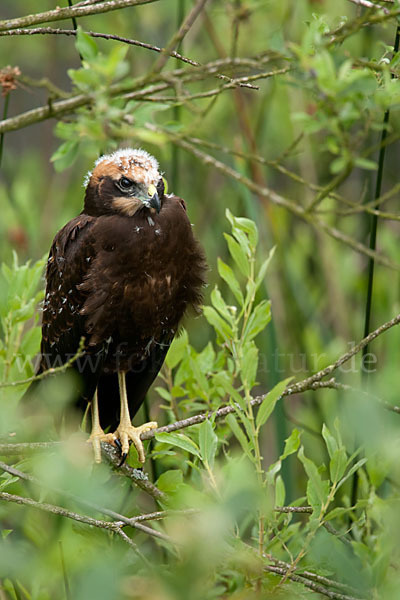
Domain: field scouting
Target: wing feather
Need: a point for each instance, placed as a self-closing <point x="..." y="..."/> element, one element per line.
<point x="69" y="260"/>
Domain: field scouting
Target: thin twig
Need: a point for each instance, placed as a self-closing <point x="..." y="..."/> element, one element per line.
<point x="316" y="587"/>
<point x="233" y="83"/>
<point x="313" y="576"/>
<point x="277" y="199"/>
<point x="135" y="90"/>
<point x="356" y="207"/>
<point x="302" y="385"/>
<point x="369" y="4"/>
<point x="52" y="371"/>
<point x="118" y="38"/>
<point x="351" y="27"/>
<point x="131" y="521"/>
<point x="136" y="475"/>
<point x="312" y="382"/>
<point x="63" y="512"/>
<point x="110" y="452"/>
<point x="177" y="37"/>
<point x="294" y="509"/>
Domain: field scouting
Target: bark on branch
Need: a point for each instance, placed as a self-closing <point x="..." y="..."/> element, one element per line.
<point x="59" y="14"/>
<point x="311" y="383"/>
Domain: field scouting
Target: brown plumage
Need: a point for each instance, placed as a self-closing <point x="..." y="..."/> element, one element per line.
<point x="122" y="275"/>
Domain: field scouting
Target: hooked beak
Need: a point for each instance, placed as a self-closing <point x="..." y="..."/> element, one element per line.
<point x="154" y="201"/>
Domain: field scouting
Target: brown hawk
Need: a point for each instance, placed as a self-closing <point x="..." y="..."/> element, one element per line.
<point x="121" y="275"/>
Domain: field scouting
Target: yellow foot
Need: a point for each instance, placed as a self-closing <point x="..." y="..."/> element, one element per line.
<point x="95" y="438"/>
<point x="126" y="432"/>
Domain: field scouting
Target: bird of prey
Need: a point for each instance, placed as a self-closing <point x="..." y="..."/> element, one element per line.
<point x="121" y="275"/>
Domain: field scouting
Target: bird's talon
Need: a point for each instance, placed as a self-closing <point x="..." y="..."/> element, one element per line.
<point x="127" y="433"/>
<point x="96" y="437"/>
<point x="123" y="458"/>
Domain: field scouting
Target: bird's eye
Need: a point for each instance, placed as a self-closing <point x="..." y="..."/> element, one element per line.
<point x="125" y="183"/>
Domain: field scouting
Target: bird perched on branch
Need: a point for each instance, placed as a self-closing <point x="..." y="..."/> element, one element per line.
<point x="121" y="275"/>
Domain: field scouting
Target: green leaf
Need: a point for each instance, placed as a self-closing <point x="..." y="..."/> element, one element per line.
<point x="273" y="470"/>
<point x="351" y="471"/>
<point x="219" y="303"/>
<point x="177" y="350"/>
<point x="180" y="440"/>
<point x="268" y="404"/>
<point x="258" y="320"/>
<point x="65" y="155"/>
<point x="338" y="164"/>
<point x="86" y="45"/>
<point x="238" y="254"/>
<point x="208" y="442"/>
<point x="249" y="227"/>
<point x="31" y="341"/>
<point x="330" y="441"/>
<point x="337" y="464"/>
<point x="337" y="452"/>
<point x="169" y="481"/>
<point x="229" y="277"/>
<point x="85" y="79"/>
<point x="224" y="380"/>
<point x="219" y="324"/>
<point x="317" y="489"/>
<point x="165" y="394"/>
<point x="280" y="492"/>
<point x="292" y="444"/>
<point x="206" y="358"/>
<point x="339" y="511"/>
<point x="249" y="364"/>
<point x="263" y="269"/>
<point x="239" y="435"/>
<point x="239" y="232"/>
<point x="365" y="163"/>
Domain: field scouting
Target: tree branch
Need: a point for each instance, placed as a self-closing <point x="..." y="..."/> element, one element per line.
<point x="313" y="382"/>
<point x="313" y="576"/>
<point x="137" y="90"/>
<point x="110" y="453"/>
<point x="310" y="584"/>
<point x="117" y="38"/>
<point x="95" y="34"/>
<point x="369" y="4"/>
<point x="303" y="385"/>
<point x="63" y="512"/>
<point x="178" y="37"/>
<point x="351" y="27"/>
<point x="120" y="519"/>
<point x="137" y="476"/>
<point x="76" y="11"/>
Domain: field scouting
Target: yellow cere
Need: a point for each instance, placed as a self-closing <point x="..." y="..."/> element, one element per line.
<point x="151" y="190"/>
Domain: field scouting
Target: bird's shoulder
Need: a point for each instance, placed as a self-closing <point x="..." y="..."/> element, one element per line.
<point x="72" y="239"/>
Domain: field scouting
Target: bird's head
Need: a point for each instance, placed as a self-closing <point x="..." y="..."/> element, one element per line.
<point x="124" y="182"/>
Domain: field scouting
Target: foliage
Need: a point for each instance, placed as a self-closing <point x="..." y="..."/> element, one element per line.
<point x="257" y="502"/>
<point x="214" y="470"/>
<point x="109" y="120"/>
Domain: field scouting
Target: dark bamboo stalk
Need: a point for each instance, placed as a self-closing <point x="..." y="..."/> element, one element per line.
<point x="372" y="246"/>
